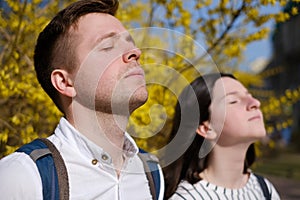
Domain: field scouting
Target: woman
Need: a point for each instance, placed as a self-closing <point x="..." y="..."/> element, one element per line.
<point x="217" y="160"/>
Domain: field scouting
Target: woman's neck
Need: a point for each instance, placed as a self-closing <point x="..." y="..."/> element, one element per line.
<point x="226" y="166"/>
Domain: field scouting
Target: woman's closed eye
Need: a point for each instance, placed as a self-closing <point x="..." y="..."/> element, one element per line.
<point x="232" y="100"/>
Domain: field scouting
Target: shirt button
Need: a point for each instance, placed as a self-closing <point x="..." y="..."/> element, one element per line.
<point x="94" y="161"/>
<point x="104" y="157"/>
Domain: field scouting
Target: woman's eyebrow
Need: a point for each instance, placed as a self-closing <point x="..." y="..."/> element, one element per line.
<point x="236" y="93"/>
<point x="233" y="93"/>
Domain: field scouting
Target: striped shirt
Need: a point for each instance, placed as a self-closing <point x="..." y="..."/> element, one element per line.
<point x="206" y="190"/>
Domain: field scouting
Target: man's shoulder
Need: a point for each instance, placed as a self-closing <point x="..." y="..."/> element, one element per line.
<point x="19" y="173"/>
<point x="14" y="159"/>
<point x="18" y="163"/>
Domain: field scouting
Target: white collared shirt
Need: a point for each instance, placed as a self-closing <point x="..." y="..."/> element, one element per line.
<point x="90" y="170"/>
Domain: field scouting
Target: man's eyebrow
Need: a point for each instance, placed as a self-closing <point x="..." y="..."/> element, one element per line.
<point x="129" y="38"/>
<point x="115" y="35"/>
<point x="105" y="36"/>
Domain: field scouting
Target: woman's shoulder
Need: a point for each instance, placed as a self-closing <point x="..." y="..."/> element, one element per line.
<point x="185" y="185"/>
<point x="259" y="178"/>
<point x="186" y="190"/>
<point x="263" y="180"/>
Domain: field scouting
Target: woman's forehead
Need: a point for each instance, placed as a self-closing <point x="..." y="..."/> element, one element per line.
<point x="226" y="86"/>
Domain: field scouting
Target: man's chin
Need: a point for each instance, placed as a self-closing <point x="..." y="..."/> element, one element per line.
<point x="137" y="102"/>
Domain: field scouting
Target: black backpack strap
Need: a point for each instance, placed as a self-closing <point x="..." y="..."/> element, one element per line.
<point x="49" y="163"/>
<point x="263" y="186"/>
<point x="151" y="166"/>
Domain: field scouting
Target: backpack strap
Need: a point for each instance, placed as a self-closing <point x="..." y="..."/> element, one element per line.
<point x="263" y="186"/>
<point x="151" y="166"/>
<point x="61" y="170"/>
<point x="51" y="168"/>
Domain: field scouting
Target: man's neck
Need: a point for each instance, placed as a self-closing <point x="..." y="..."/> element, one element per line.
<point x="104" y="129"/>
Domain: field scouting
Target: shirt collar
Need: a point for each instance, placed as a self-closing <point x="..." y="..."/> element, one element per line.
<point x="69" y="134"/>
<point x="130" y="148"/>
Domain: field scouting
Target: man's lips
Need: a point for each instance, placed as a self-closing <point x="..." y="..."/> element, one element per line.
<point x="135" y="72"/>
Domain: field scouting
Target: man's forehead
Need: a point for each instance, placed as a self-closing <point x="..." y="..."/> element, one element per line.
<point x="98" y="20"/>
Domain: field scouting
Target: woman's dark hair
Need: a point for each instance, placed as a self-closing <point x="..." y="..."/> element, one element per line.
<point x="189" y="164"/>
<point x="55" y="45"/>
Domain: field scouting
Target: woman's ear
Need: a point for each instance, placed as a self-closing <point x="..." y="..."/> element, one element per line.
<point x="205" y="131"/>
<point x="63" y="83"/>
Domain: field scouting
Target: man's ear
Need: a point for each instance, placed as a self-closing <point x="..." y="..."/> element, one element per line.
<point x="205" y="131"/>
<point x="63" y="83"/>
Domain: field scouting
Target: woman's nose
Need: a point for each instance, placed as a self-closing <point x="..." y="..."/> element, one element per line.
<point x="253" y="103"/>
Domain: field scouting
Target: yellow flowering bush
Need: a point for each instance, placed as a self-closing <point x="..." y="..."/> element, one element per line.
<point x="221" y="29"/>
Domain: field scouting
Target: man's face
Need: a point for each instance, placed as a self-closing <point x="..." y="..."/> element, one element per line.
<point x="109" y="78"/>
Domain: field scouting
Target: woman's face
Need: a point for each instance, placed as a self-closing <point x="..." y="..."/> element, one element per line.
<point x="235" y="113"/>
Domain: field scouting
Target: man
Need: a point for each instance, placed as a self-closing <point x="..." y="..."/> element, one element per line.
<point x="87" y="63"/>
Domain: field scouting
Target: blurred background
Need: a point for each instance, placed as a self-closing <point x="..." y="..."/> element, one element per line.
<point x="256" y="40"/>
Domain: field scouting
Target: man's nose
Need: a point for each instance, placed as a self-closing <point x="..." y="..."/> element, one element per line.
<point x="133" y="54"/>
